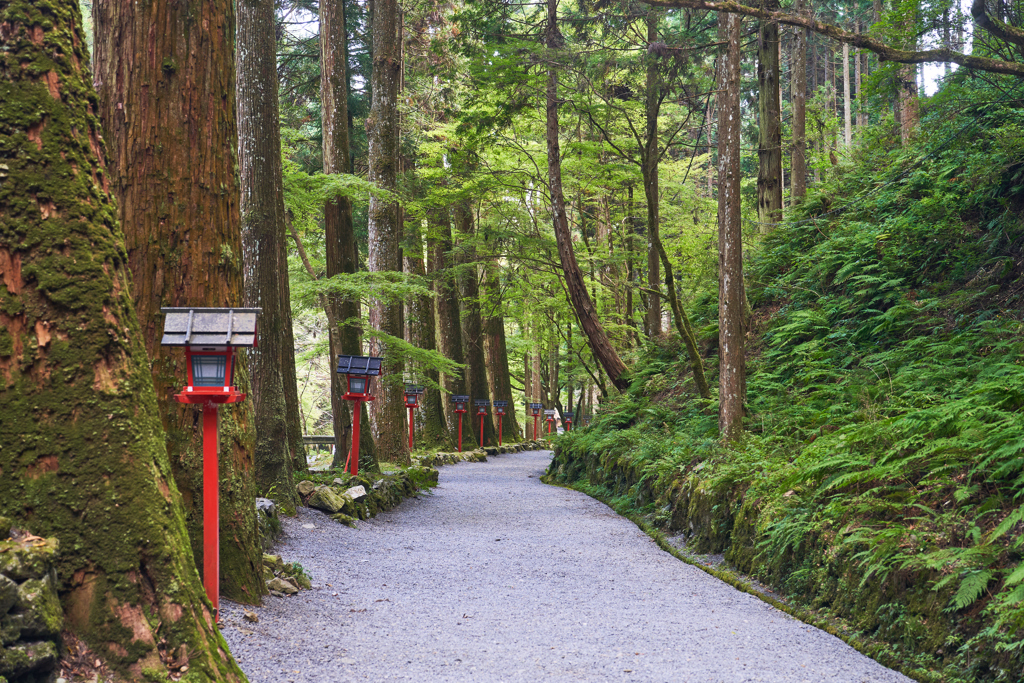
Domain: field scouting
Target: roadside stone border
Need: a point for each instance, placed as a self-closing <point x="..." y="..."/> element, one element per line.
<point x="478" y="455"/>
<point x="31" y="617"/>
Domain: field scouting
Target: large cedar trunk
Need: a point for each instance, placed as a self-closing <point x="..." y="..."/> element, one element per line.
<point x="169" y="123"/>
<point x="769" y="147"/>
<point x="339" y="235"/>
<point x="731" y="322"/>
<point x="798" y="159"/>
<point x="263" y="253"/>
<point x="472" y="325"/>
<point x="432" y="430"/>
<point x="600" y="345"/>
<point x="449" y="326"/>
<point x="497" y="354"/>
<point x="385" y="228"/>
<point x="83" y="457"/>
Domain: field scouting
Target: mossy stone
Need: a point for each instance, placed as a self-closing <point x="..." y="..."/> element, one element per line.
<point x="40" y="607"/>
<point x="25" y="658"/>
<point x="20" y="561"/>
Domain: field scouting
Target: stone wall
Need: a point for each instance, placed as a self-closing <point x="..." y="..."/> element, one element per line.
<point x="31" y="618"/>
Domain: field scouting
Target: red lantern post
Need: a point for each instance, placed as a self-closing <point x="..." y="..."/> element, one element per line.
<point x="210" y="336"/>
<point x="359" y="371"/>
<point x="535" y="409"/>
<point x="549" y="415"/>
<point x="412" y="396"/>
<point x="481" y="411"/>
<point x="499" y="408"/>
<point x="460" y="402"/>
<point x="568" y="421"/>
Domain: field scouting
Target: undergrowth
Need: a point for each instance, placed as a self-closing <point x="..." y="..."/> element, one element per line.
<point x="883" y="464"/>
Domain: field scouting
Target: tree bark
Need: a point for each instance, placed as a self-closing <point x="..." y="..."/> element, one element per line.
<point x="340" y="242"/>
<point x="169" y="122"/>
<point x="731" y="315"/>
<point x="497" y="353"/>
<point x="432" y="431"/>
<point x="798" y="160"/>
<point x="600" y="345"/>
<point x="649" y="167"/>
<point x="769" y="148"/>
<point x="449" y="326"/>
<point x="263" y="254"/>
<point x="83" y="457"/>
<point x="847" y="104"/>
<point x="472" y="325"/>
<point x="385" y="228"/>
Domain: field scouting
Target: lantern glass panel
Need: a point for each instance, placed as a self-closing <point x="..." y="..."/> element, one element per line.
<point x="357" y="384"/>
<point x="208" y="371"/>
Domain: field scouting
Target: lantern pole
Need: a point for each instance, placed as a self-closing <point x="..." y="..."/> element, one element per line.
<point x="354" y="453"/>
<point x="500" y="420"/>
<point x="481" y="429"/>
<point x="460" y="430"/>
<point x="211" y="509"/>
<point x="410" y="428"/>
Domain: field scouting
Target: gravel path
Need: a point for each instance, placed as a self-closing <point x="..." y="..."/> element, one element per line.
<point x="497" y="577"/>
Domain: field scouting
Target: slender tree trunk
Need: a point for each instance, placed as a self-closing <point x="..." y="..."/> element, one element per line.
<point x="263" y="231"/>
<point x="847" y="104"/>
<point x="472" y="325"/>
<point x="769" y="149"/>
<point x="341" y="249"/>
<point x="600" y="345"/>
<point x="798" y="162"/>
<point x="385" y="228"/>
<point x="497" y="351"/>
<point x="449" y="326"/>
<point x="731" y="315"/>
<point x="649" y="167"/>
<point x="858" y="75"/>
<point x="83" y="457"/>
<point x="169" y="123"/>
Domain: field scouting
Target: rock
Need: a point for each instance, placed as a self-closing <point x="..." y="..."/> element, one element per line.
<point x="8" y="594"/>
<point x="491" y="450"/>
<point x="327" y="500"/>
<point x="277" y="594"/>
<point x="266" y="506"/>
<point x="292" y="580"/>
<point x="250" y="616"/>
<point x="268" y="573"/>
<point x="24" y="658"/>
<point x="344" y="519"/>
<point x="338" y="481"/>
<point x="20" y="561"/>
<point x="267" y="520"/>
<point x="305" y="487"/>
<point x="281" y="586"/>
<point x="356" y="492"/>
<point x="39" y="607"/>
<point x="273" y="561"/>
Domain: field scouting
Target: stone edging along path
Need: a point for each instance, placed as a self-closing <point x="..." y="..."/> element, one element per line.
<point x="495" y="576"/>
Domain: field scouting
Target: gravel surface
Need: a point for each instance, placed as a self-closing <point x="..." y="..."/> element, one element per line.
<point x="497" y="577"/>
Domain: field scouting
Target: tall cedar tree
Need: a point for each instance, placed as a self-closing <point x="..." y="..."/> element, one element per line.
<point x="264" y="259"/>
<point x="798" y="163"/>
<point x="339" y="235"/>
<point x="440" y="264"/>
<point x="384" y="226"/>
<point x="83" y="456"/>
<point x="420" y="315"/>
<point x="769" y="119"/>
<point x="472" y="324"/>
<point x="731" y="322"/>
<point x="650" y="166"/>
<point x="169" y="123"/>
<point x="497" y="353"/>
<point x="600" y="345"/>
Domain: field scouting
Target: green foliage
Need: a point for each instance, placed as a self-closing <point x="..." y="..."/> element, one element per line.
<point x="882" y="470"/>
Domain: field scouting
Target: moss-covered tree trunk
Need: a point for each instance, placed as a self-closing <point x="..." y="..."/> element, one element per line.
<point x="650" y="164"/>
<point x="385" y="227"/>
<point x="169" y="123"/>
<point x="263" y="255"/>
<point x="472" y="325"/>
<point x="798" y="163"/>
<point x="449" y="326"/>
<point x="497" y="353"/>
<point x="769" y="142"/>
<point x="341" y="249"/>
<point x="83" y="456"/>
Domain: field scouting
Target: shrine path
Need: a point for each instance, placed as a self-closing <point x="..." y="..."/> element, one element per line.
<point x="495" y="576"/>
